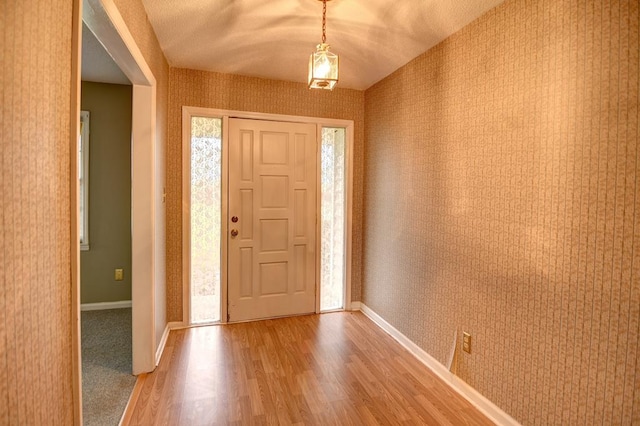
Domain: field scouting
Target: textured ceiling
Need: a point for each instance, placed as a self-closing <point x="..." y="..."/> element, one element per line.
<point x="97" y="65"/>
<point x="273" y="38"/>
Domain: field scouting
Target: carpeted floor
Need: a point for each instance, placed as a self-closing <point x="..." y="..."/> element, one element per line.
<point x="107" y="381"/>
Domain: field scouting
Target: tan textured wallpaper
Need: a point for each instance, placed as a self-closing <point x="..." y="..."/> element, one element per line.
<point x="232" y="92"/>
<point x="502" y="198"/>
<point x="35" y="268"/>
<point x="135" y="16"/>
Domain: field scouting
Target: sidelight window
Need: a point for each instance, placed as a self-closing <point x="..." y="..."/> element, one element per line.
<point x="206" y="184"/>
<point x="333" y="218"/>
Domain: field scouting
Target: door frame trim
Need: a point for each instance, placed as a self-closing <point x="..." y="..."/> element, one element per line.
<point x="74" y="207"/>
<point x="105" y="21"/>
<point x="190" y="111"/>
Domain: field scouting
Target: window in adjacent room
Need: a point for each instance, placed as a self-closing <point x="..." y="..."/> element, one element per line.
<point x="83" y="174"/>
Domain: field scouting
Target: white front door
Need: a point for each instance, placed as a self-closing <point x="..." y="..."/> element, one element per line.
<point x="272" y="219"/>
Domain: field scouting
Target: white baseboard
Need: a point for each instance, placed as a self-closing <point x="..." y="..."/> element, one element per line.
<point x="355" y="306"/>
<point x="175" y="325"/>
<point x="179" y="325"/>
<point x="163" y="340"/>
<point x="486" y="407"/>
<point x="105" y="305"/>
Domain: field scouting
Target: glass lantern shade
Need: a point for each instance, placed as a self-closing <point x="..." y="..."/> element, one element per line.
<point x="323" y="68"/>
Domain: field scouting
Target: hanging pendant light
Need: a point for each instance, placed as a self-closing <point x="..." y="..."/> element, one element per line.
<point x="323" y="64"/>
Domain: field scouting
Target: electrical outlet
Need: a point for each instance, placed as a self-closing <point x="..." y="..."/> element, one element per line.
<point x="119" y="275"/>
<point x="466" y="342"/>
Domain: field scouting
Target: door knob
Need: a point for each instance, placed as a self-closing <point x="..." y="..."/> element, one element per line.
<point x="234" y="233"/>
<point x="234" y="219"/>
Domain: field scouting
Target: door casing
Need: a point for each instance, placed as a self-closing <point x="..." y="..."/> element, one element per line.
<point x="187" y="113"/>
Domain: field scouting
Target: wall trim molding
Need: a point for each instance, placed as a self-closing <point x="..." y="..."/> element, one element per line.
<point x="485" y="406"/>
<point x="163" y="342"/>
<point x="173" y="325"/>
<point x="105" y="305"/>
<point x="180" y="325"/>
<point x="355" y="306"/>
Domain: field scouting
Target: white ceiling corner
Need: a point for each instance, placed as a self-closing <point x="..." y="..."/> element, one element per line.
<point x="274" y="38"/>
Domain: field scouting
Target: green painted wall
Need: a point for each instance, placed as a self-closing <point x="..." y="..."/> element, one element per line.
<point x="109" y="193"/>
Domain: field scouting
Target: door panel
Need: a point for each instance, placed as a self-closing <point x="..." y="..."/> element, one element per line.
<point x="272" y="192"/>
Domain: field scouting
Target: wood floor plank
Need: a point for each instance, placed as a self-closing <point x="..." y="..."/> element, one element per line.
<point x="328" y="369"/>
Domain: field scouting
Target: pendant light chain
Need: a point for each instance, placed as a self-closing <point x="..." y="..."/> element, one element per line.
<point x="323" y="64"/>
<point x="324" y="21"/>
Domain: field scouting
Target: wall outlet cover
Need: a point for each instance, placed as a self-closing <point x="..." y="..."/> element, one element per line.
<point x="466" y="342"/>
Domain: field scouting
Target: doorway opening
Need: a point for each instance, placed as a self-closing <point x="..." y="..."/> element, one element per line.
<point x="105" y="229"/>
<point x="148" y="319"/>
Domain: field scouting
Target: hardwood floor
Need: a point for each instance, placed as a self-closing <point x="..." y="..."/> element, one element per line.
<point x="330" y="369"/>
